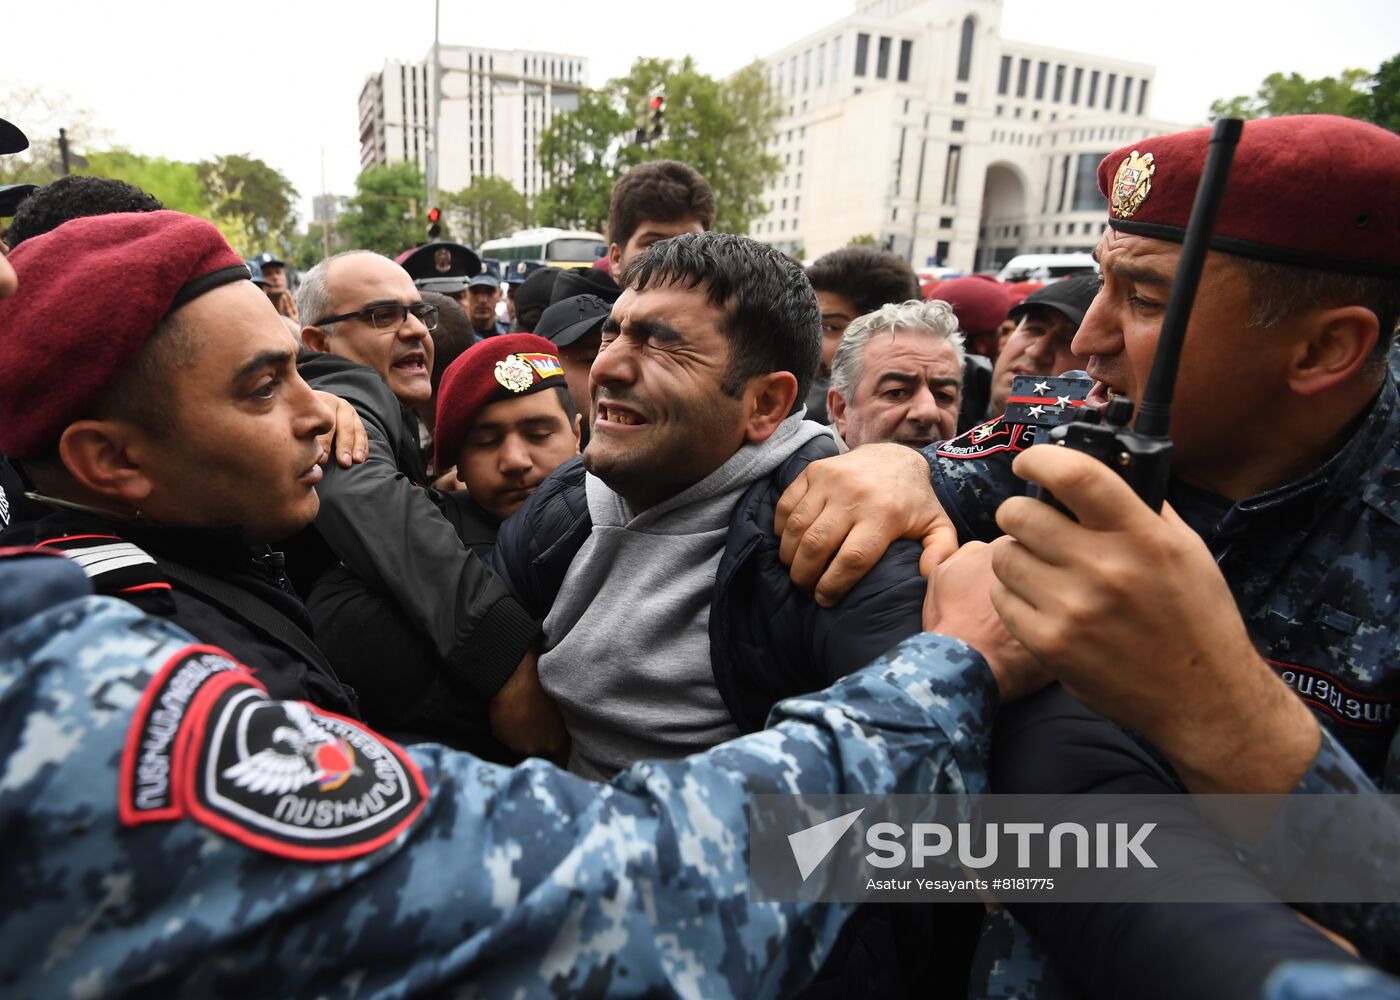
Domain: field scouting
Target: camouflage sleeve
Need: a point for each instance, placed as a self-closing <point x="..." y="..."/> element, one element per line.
<point x="971" y="475"/>
<point x="170" y="829"/>
<point x="1328" y="981"/>
<point x="1301" y="837"/>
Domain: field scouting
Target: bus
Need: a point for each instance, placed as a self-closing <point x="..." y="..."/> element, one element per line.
<point x="556" y="247"/>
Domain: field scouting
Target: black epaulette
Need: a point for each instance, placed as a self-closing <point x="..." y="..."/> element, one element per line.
<point x="116" y="567"/>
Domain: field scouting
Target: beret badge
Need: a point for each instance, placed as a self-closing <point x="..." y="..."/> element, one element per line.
<point x="515" y="373"/>
<point x="1132" y="184"/>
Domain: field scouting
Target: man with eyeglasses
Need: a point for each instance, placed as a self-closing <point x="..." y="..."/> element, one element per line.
<point x="393" y="556"/>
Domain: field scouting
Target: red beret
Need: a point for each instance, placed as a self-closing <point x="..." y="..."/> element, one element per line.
<point x="979" y="301"/>
<point x="503" y="367"/>
<point x="90" y="294"/>
<point x="1313" y="190"/>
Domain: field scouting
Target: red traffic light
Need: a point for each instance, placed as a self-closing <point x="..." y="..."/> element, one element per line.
<point x="434" y="214"/>
<point x="657" y="103"/>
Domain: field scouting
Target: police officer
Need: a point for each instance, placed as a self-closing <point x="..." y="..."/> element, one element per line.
<point x="1283" y="524"/>
<point x="173" y="829"/>
<point x="167" y="433"/>
<point x="443" y="267"/>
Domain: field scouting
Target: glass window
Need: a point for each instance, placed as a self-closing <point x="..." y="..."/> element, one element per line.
<point x="1127" y="92"/>
<point x="862" y="52"/>
<point x="960" y="97"/>
<point x="1074" y="88"/>
<point x="958" y="124"/>
<point x="1093" y="88"/>
<point x="1041" y="71"/>
<point x="969" y="28"/>
<point x="821" y="64"/>
<point x="882" y="59"/>
<point x="1023" y="76"/>
<point x="806" y="69"/>
<point x="1004" y="75"/>
<point x="1059" y="83"/>
<point x="576" y="248"/>
<point x="1108" y="91"/>
<point x="1142" y="96"/>
<point x="906" y="49"/>
<point x="1086" y="184"/>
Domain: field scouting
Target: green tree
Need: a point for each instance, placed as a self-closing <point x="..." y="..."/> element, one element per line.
<point x="579" y="152"/>
<point x="720" y="127"/>
<point x="387" y="213"/>
<point x="1294" y="94"/>
<point x="249" y="201"/>
<point x="176" y="184"/>
<point x="311" y="246"/>
<point x="863" y="240"/>
<point x="1382" y="104"/>
<point x="487" y="208"/>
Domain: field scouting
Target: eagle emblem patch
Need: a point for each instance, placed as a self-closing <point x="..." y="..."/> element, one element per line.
<point x="1132" y="184"/>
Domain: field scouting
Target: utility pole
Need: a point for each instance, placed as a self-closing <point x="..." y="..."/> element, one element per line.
<point x="432" y="170"/>
<point x="63" y="149"/>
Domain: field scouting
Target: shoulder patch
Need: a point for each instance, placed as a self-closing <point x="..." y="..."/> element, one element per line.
<point x="114" y="566"/>
<point x="148" y="790"/>
<point x="293" y="780"/>
<point x="988" y="439"/>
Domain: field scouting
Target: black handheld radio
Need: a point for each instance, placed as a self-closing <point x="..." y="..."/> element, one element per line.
<point x="1142" y="454"/>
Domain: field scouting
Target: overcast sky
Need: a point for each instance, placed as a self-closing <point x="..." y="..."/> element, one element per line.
<point x="193" y="80"/>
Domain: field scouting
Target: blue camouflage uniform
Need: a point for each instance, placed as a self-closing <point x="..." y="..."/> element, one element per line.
<point x="1314" y="567"/>
<point x="170" y="830"/>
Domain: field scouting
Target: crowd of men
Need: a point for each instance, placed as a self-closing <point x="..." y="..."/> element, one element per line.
<point x="356" y="640"/>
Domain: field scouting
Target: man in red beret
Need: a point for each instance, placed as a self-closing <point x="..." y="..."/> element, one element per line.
<point x="395" y="553"/>
<point x="506" y="420"/>
<point x="164" y="425"/>
<point x="1249" y="631"/>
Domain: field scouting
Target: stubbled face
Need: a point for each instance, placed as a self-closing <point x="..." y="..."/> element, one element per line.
<point x="837" y="314"/>
<point x="1231" y="377"/>
<point x="909" y="391"/>
<point x="661" y="422"/>
<point x="481" y="307"/>
<point x="246" y="451"/>
<point x="649" y="232"/>
<point x="402" y="355"/>
<point x="1040" y="345"/>
<point x="512" y="447"/>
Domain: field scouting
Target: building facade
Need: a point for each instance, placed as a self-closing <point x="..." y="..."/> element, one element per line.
<point x="495" y="104"/>
<point x="917" y="123"/>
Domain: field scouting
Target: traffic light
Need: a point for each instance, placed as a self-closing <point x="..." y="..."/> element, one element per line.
<point x="434" y="223"/>
<point x="658" y="109"/>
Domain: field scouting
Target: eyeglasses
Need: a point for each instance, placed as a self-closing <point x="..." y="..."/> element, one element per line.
<point x="389" y="316"/>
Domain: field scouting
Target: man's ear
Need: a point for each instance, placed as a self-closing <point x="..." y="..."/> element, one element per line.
<point x="314" y="338"/>
<point x="578" y="431"/>
<point x="768" y="400"/>
<point x="836" y="408"/>
<point x="104" y="457"/>
<point x="1334" y="347"/>
<point x="615" y="261"/>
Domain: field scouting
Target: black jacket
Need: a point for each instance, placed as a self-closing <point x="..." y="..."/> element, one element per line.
<point x="768" y="640"/>
<point x="389" y="532"/>
<point x="211" y="583"/>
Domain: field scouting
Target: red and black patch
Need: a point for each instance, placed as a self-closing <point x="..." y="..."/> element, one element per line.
<point x="988" y="439"/>
<point x="1322" y="691"/>
<point x="149" y="792"/>
<point x="293" y="780"/>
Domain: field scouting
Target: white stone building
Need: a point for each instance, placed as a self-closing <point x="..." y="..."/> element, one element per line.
<point x="916" y="122"/>
<point x="495" y="103"/>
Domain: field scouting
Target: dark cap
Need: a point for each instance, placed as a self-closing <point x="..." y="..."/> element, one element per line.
<point x="533" y="296"/>
<point x="255" y="269"/>
<point x="266" y="259"/>
<point x="12" y="140"/>
<point x="441" y="266"/>
<point x="583" y="281"/>
<point x="1315" y="191"/>
<point x="569" y="319"/>
<point x="1070" y="297"/>
<point x="11" y="195"/>
<point x="516" y="271"/>
<point x="484" y="281"/>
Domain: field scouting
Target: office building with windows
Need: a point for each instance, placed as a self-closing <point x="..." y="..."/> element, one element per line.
<point x="495" y="104"/>
<point x="915" y="122"/>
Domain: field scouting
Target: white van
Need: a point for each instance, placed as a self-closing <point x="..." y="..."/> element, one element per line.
<point x="1044" y="266"/>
